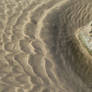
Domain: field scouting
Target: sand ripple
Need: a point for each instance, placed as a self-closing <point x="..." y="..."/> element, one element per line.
<point x="37" y="52"/>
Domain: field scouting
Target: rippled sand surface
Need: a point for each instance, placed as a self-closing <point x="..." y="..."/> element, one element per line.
<point x="38" y="49"/>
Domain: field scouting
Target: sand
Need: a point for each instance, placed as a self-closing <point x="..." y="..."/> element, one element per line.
<point x="39" y="51"/>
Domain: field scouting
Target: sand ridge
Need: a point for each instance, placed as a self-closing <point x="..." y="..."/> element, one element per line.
<point x="28" y="58"/>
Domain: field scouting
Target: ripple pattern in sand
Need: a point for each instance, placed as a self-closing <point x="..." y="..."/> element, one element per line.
<point x="28" y="59"/>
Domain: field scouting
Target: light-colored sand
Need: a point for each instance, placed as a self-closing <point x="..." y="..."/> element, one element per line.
<point x="37" y="49"/>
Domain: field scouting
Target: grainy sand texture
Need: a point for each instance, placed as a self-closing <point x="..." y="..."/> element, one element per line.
<point x="39" y="50"/>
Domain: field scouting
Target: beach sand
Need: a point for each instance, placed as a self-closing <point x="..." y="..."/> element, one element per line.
<point x="39" y="51"/>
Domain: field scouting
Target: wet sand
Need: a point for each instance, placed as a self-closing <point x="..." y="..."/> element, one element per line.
<point x="38" y="48"/>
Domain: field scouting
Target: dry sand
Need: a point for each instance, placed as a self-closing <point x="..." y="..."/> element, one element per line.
<point x="38" y="48"/>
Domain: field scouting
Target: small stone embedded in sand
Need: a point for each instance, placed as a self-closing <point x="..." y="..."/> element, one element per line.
<point x="85" y="38"/>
